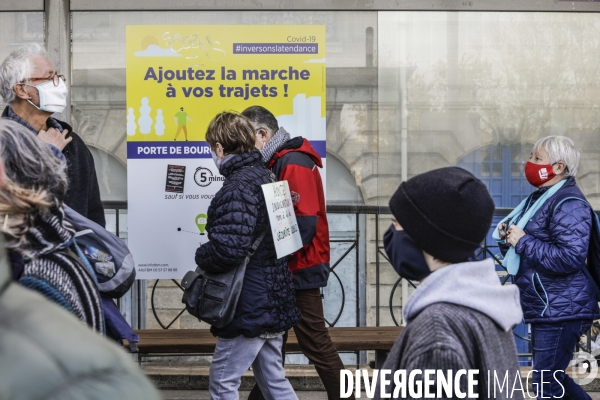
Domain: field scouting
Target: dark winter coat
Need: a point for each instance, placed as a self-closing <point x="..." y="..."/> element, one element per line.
<point x="47" y="353"/>
<point x="553" y="253"/>
<point x="298" y="163"/>
<point x="236" y="217"/>
<point x="83" y="194"/>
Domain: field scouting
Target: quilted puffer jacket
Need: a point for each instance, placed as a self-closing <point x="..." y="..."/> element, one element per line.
<point x="553" y="252"/>
<point x="236" y="217"/>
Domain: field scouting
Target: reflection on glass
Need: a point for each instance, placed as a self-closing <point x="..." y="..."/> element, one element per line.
<point x="98" y="92"/>
<point x="17" y="28"/>
<point x="100" y="117"/>
<point x="486" y="78"/>
<point x="111" y="174"/>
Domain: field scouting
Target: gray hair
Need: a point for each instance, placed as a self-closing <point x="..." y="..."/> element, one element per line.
<point x="261" y="116"/>
<point x="17" y="68"/>
<point x="30" y="163"/>
<point x="561" y="148"/>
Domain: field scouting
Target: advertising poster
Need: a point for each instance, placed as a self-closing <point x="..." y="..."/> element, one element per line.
<point x="178" y="78"/>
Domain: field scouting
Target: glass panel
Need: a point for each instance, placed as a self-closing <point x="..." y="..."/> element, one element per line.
<point x="485" y="170"/>
<point x="17" y="28"/>
<point x="99" y="116"/>
<point x="112" y="176"/>
<point x="469" y="80"/>
<point x="482" y="87"/>
<point x="497" y="169"/>
<point x="98" y="93"/>
<point x="516" y="170"/>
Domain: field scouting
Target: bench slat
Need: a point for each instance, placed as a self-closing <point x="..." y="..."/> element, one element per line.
<point x="156" y="341"/>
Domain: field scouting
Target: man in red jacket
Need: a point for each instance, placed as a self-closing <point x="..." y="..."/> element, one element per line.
<point x="295" y="160"/>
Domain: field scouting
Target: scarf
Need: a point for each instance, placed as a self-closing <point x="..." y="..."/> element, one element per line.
<point x="50" y="122"/>
<point x="53" y="267"/>
<point x="274" y="145"/>
<point x="218" y="161"/>
<point x="512" y="260"/>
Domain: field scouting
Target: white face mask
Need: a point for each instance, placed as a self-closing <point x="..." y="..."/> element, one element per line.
<point x="216" y="159"/>
<point x="52" y="98"/>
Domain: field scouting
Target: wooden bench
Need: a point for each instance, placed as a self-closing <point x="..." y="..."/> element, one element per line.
<point x="201" y="341"/>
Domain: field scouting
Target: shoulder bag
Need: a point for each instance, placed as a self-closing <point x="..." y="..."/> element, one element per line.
<point x="212" y="297"/>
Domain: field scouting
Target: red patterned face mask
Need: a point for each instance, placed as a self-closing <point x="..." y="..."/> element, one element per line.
<point x="537" y="174"/>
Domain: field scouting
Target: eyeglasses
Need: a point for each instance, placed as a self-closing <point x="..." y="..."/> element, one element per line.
<point x="55" y="79"/>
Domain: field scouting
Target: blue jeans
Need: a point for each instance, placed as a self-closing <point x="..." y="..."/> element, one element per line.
<point x="233" y="357"/>
<point x="552" y="346"/>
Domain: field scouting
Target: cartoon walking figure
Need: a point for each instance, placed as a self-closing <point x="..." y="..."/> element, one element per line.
<point x="181" y="119"/>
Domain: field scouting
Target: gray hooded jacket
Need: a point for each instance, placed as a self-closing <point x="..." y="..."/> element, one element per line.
<point x="460" y="317"/>
<point x="47" y="353"/>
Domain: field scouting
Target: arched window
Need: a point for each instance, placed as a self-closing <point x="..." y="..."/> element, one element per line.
<point x="341" y="186"/>
<point x="112" y="175"/>
<point x="501" y="169"/>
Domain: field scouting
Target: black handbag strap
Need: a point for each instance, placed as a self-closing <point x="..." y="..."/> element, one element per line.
<point x="257" y="243"/>
<point x="250" y="253"/>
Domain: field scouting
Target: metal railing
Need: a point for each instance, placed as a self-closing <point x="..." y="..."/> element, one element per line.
<point x="485" y="251"/>
<point x="357" y="211"/>
<point x="353" y="246"/>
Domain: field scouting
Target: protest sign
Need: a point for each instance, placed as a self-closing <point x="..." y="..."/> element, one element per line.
<point x="286" y="235"/>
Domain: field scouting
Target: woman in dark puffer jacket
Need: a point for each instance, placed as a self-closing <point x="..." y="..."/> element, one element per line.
<point x="549" y="237"/>
<point x="266" y="309"/>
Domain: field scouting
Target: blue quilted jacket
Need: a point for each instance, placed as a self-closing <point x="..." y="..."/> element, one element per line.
<point x="553" y="252"/>
<point x="236" y="217"/>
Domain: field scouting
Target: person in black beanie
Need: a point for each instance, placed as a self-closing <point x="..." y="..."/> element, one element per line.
<point x="460" y="315"/>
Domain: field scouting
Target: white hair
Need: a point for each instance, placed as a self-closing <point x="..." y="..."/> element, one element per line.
<point x="17" y="68"/>
<point x="561" y="148"/>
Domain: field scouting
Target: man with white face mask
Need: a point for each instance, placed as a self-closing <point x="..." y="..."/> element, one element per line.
<point x="34" y="91"/>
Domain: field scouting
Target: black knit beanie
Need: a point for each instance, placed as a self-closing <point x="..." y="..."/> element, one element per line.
<point x="448" y="212"/>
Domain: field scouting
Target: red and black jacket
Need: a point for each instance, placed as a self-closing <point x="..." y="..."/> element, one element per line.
<point x="298" y="163"/>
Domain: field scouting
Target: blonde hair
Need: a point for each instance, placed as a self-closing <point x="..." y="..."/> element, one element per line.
<point x="233" y="131"/>
<point x="34" y="181"/>
<point x="17" y="207"/>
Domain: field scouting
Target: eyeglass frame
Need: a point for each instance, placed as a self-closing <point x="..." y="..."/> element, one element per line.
<point x="54" y="78"/>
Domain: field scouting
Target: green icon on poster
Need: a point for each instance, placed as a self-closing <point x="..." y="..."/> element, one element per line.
<point x="201" y="222"/>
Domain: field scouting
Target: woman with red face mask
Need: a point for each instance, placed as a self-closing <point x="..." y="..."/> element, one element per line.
<point x="545" y="242"/>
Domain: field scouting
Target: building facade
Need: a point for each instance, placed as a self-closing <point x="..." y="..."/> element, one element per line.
<point x="411" y="86"/>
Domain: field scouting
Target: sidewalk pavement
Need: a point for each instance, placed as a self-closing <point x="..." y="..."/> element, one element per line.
<point x="303" y="378"/>
<point x="204" y="395"/>
<point x="312" y="395"/>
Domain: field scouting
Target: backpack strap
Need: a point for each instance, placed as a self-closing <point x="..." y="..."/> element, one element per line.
<point x="569" y="198"/>
<point x="595" y="219"/>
